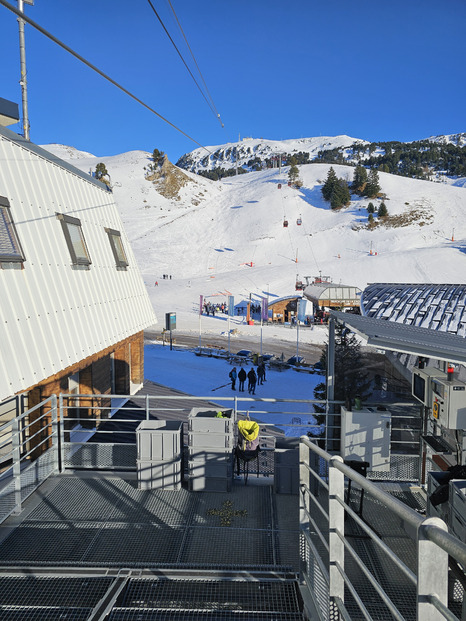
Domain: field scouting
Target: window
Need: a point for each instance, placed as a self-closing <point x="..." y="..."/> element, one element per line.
<point x="10" y="248"/>
<point x="75" y="239"/>
<point x="117" y="248"/>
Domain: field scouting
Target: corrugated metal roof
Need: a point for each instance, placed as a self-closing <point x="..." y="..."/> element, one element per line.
<point x="52" y="314"/>
<point x="437" y="306"/>
<point x="394" y="336"/>
<point x="331" y="291"/>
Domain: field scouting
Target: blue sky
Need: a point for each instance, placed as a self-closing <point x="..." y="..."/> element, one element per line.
<point x="373" y="70"/>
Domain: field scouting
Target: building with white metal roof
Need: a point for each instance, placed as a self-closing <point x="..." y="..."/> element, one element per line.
<point x="73" y="301"/>
<point x="436" y="306"/>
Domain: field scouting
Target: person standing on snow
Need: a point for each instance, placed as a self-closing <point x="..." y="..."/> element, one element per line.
<point x="252" y="382"/>
<point x="261" y="373"/>
<point x="232" y="375"/>
<point x="242" y="378"/>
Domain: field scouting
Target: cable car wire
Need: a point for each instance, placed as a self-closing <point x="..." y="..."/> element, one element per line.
<point x="195" y="62"/>
<point x="214" y="111"/>
<point x="96" y="69"/>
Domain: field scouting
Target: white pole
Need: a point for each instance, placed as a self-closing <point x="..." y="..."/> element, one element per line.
<point x="228" y="330"/>
<point x="261" y="331"/>
<point x="23" y="80"/>
<point x="200" y="338"/>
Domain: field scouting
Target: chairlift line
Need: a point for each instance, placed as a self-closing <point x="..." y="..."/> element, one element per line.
<point x="35" y="25"/>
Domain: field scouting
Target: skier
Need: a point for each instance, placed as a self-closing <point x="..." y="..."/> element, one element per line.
<point x="252" y="382"/>
<point x="242" y="378"/>
<point x="232" y="375"/>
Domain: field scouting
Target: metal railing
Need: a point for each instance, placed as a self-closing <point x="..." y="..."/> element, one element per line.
<point x="30" y="453"/>
<point x="350" y="569"/>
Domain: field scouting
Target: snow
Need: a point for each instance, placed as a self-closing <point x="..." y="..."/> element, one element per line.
<point x="203" y="376"/>
<point x="206" y="239"/>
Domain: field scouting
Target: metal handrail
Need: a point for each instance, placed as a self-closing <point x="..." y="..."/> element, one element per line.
<point x="434" y="543"/>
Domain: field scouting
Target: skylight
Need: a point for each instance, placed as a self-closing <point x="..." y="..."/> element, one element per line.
<point x="10" y="248"/>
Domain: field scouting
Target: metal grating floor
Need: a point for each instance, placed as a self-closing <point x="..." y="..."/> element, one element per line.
<point x="39" y="598"/>
<point x="92" y="527"/>
<point x="109" y="522"/>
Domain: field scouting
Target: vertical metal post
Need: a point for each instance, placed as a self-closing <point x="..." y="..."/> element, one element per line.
<point x="330" y="433"/>
<point x="16" y="446"/>
<point x="432" y="575"/>
<point x="336" y="518"/>
<point x="55" y="431"/>
<point x="61" y="422"/>
<point x="304" y="504"/>
<point x="23" y="80"/>
<point x="147" y="407"/>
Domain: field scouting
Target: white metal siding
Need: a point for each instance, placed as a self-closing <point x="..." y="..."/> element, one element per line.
<point x="51" y="314"/>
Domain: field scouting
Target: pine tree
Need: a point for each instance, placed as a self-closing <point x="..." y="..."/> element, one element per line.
<point x="370" y="207"/>
<point x="157" y="157"/>
<point x="359" y="179"/>
<point x="382" y="211"/>
<point x="293" y="173"/>
<point x="340" y="194"/>
<point x="373" y="185"/>
<point x="351" y="380"/>
<point x="101" y="171"/>
<point x="329" y="184"/>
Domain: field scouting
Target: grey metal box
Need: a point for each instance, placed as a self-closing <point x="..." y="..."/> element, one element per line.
<point x="210" y="469"/>
<point x="286" y="471"/>
<point x="159" y="475"/>
<point x="159" y="440"/>
<point x="206" y="430"/>
<point x="458" y="496"/>
<point x="210" y="484"/>
<point x="217" y="455"/>
<point x="457" y="524"/>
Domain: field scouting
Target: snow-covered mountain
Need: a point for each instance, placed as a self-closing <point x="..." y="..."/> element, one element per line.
<point x="246" y="152"/>
<point x="227" y="237"/>
<point x="446" y="157"/>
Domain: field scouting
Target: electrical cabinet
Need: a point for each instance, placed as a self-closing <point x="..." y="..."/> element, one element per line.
<point x="421" y="383"/>
<point x="449" y="403"/>
<point x="365" y="436"/>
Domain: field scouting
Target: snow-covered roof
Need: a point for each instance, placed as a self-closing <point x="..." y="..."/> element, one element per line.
<point x="434" y="306"/>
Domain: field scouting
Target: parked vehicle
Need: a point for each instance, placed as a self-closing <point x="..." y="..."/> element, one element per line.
<point x="246" y="353"/>
<point x="296" y="361"/>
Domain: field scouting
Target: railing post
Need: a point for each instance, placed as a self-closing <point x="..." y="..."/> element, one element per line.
<point x="147" y="407"/>
<point x="55" y="430"/>
<point x="336" y="519"/>
<point x="16" y="446"/>
<point x="432" y="572"/>
<point x="61" y="426"/>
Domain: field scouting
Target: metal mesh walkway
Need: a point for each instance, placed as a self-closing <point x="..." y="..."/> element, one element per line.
<point x="92" y="527"/>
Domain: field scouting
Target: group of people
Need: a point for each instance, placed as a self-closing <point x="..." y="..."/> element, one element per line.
<point x="211" y="309"/>
<point x="251" y="376"/>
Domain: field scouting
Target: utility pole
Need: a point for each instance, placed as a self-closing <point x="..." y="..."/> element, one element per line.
<point x="22" y="57"/>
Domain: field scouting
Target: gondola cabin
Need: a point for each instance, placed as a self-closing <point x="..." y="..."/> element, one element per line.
<point x="285" y="223"/>
<point x="299" y="221"/>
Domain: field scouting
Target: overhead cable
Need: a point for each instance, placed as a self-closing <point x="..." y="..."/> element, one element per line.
<point x="94" y="68"/>
<point x="184" y="63"/>
<point x="195" y="62"/>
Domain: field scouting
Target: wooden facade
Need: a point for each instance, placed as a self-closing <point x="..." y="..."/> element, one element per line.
<point x="96" y="377"/>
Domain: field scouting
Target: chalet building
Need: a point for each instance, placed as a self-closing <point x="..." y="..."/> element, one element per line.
<point x="73" y="305"/>
<point x="285" y="310"/>
<point x="327" y="296"/>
